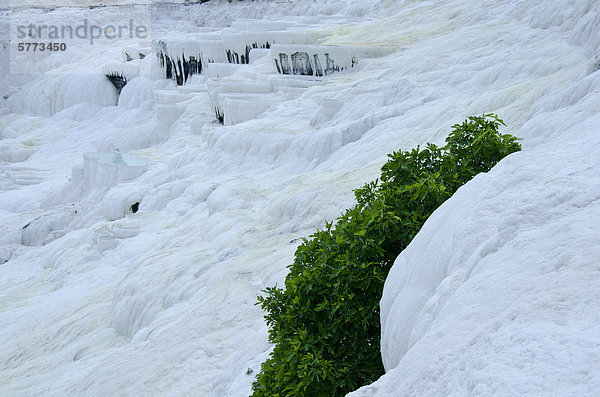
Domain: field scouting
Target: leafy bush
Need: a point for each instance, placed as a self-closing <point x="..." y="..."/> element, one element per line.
<point x="325" y="323"/>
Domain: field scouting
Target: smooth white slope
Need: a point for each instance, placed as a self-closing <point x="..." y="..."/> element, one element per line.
<point x="170" y="310"/>
<point x="498" y="293"/>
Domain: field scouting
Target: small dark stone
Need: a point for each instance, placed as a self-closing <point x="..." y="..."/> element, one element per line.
<point x="135" y="207"/>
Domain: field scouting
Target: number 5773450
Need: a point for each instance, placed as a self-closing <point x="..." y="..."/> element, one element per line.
<point x="42" y="46"/>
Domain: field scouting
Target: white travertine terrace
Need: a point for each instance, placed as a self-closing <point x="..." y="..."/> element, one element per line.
<point x="497" y="295"/>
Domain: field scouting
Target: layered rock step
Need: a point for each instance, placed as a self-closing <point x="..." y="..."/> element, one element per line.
<point x="14" y="177"/>
<point x="168" y="102"/>
<point x="109" y="236"/>
<point x="255" y="64"/>
<point x="181" y="57"/>
<point x="318" y="61"/>
<point x="106" y="169"/>
<point x="119" y="73"/>
<point x="235" y="100"/>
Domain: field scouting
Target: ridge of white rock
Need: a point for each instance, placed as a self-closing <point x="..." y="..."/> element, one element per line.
<point x="496" y="295"/>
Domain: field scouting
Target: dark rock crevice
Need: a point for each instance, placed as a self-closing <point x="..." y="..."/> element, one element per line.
<point x="118" y="80"/>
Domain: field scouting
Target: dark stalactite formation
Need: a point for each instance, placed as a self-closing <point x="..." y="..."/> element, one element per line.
<point x="182" y="68"/>
<point x="302" y="65"/>
<point x="234" y="57"/>
<point x="299" y="63"/>
<point x="220" y="116"/>
<point x="118" y="80"/>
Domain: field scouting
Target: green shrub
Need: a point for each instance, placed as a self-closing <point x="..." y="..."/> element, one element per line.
<point x="325" y="323"/>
